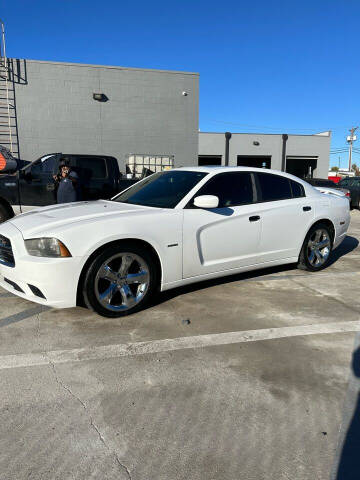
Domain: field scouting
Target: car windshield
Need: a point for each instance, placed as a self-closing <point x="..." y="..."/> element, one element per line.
<point x="349" y="182"/>
<point x="162" y="190"/>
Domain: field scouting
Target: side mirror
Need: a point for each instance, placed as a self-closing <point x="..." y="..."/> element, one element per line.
<point x="206" y="201"/>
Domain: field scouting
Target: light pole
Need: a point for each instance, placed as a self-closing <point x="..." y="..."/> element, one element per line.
<point x="350" y="139"/>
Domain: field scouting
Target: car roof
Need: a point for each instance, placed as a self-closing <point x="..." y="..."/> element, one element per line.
<point x="219" y="169"/>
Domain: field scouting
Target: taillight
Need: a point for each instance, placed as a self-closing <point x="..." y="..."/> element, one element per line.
<point x="347" y="194"/>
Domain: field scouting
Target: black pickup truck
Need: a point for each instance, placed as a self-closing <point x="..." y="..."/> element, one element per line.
<point x="33" y="185"/>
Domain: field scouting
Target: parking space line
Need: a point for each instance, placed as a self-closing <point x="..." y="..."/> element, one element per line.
<point x="171" y="344"/>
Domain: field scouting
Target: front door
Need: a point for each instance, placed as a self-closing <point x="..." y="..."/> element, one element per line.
<point x="223" y="238"/>
<point x="37" y="187"/>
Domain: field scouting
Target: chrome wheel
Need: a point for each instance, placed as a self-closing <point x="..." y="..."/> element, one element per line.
<point x="122" y="281"/>
<point x="318" y="247"/>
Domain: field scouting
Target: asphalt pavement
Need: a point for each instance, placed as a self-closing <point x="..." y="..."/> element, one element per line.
<point x="251" y="377"/>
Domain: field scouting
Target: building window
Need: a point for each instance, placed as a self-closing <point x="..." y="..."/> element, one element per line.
<point x="209" y="160"/>
<point x="254" y="161"/>
<point x="302" y="167"/>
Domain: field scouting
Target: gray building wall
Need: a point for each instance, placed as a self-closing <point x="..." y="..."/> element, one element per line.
<point x="146" y="113"/>
<point x="302" y="146"/>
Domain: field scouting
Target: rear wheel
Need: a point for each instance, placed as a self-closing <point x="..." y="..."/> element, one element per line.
<point x="316" y="249"/>
<point x="120" y="280"/>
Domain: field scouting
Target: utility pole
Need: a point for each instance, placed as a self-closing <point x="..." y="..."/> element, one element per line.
<point x="350" y="139"/>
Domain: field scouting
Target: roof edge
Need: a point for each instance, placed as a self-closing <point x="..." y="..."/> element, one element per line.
<point x="90" y="65"/>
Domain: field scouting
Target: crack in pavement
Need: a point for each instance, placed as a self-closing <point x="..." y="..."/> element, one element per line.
<point x="122" y="466"/>
<point x="92" y="423"/>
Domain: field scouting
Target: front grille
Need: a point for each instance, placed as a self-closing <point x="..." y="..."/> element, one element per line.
<point x="6" y="253"/>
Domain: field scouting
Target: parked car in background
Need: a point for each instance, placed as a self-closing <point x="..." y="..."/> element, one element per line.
<point x="335" y="179"/>
<point x="353" y="185"/>
<point x="325" y="185"/>
<point x="170" y="229"/>
<point x="33" y="185"/>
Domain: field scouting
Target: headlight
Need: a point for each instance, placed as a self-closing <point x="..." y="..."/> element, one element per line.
<point x="46" y="247"/>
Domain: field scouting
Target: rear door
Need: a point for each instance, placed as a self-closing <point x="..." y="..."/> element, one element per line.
<point x="226" y="237"/>
<point x="286" y="214"/>
<point x="94" y="177"/>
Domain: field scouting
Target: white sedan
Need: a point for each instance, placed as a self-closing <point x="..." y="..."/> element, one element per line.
<point x="171" y="229"/>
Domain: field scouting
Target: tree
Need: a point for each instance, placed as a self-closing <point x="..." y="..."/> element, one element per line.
<point x="355" y="169"/>
<point x="334" y="169"/>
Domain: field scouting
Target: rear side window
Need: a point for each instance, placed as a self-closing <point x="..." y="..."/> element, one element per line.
<point x="273" y="187"/>
<point x="231" y="188"/>
<point x="297" y="189"/>
<point x="94" y="167"/>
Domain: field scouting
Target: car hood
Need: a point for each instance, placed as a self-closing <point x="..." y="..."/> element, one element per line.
<point x="49" y="218"/>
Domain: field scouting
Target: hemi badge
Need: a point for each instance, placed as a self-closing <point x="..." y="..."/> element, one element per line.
<point x="173" y="245"/>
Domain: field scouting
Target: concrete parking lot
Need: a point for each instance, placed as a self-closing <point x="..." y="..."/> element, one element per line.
<point x="242" y="378"/>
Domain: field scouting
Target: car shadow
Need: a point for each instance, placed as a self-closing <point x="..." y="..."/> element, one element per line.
<point x="348" y="245"/>
<point x="246" y="276"/>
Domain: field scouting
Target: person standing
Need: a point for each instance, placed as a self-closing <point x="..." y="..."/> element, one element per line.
<point x="66" y="184"/>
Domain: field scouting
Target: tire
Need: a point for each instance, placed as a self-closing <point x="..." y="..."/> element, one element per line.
<point x="4" y="214"/>
<point x="112" y="285"/>
<point x="356" y="204"/>
<point x="313" y="258"/>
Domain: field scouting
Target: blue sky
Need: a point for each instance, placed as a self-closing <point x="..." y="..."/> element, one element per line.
<point x="265" y="66"/>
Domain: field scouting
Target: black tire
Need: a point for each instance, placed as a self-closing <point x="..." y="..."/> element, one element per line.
<point x="93" y="278"/>
<point x="355" y="204"/>
<point x="4" y="214"/>
<point x="305" y="262"/>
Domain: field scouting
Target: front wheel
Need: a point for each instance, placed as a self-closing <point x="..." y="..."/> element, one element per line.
<point x="316" y="249"/>
<point x="120" y="280"/>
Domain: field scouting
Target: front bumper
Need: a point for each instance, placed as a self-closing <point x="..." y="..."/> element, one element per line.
<point x="56" y="278"/>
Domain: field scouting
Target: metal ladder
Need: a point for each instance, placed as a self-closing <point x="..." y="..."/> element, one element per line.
<point x="8" y="121"/>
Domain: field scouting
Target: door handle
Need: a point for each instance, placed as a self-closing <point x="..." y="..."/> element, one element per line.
<point x="254" y="218"/>
<point x="306" y="209"/>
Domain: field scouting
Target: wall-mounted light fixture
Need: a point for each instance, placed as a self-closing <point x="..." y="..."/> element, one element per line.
<point x="100" y="97"/>
<point x="256" y="143"/>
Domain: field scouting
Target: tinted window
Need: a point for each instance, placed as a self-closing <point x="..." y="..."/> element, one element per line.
<point x="163" y="190"/>
<point x="273" y="187"/>
<point x="344" y="183"/>
<point x="349" y="182"/>
<point x="95" y="166"/>
<point x="231" y="188"/>
<point x="297" y="189"/>
<point x="47" y="165"/>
